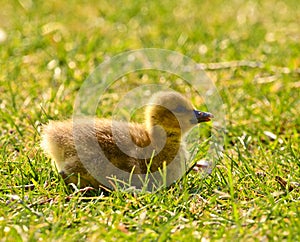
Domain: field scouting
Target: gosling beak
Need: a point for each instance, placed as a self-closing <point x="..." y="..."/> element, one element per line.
<point x="203" y="116"/>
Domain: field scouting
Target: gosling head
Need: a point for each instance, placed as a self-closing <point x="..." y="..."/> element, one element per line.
<point x="172" y="111"/>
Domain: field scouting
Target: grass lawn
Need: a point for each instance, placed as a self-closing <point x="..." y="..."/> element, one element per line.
<point x="48" y="49"/>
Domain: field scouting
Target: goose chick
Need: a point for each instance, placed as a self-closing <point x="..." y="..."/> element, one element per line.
<point x="94" y="149"/>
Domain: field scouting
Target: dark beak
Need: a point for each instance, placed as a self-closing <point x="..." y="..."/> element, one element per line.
<point x="203" y="116"/>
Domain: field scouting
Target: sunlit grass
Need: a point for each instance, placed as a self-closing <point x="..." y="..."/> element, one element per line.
<point x="48" y="49"/>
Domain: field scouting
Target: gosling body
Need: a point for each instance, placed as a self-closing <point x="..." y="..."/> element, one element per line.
<point x="87" y="151"/>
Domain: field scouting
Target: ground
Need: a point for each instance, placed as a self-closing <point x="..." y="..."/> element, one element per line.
<point x="249" y="49"/>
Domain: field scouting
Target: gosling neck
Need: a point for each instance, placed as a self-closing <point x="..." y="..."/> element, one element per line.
<point x="162" y="135"/>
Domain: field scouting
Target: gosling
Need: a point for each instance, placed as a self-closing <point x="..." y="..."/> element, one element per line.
<point x="92" y="151"/>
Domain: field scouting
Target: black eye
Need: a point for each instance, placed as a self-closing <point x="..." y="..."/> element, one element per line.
<point x="180" y="109"/>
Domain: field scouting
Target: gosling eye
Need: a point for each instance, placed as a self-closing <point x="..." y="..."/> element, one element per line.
<point x="180" y="109"/>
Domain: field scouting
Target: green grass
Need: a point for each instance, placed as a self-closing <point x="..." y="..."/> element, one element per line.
<point x="52" y="46"/>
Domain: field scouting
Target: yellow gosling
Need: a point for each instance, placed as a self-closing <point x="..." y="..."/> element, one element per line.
<point x="130" y="147"/>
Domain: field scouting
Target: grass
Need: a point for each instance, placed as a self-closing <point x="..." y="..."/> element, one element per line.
<point x="47" y="50"/>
